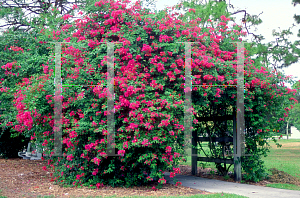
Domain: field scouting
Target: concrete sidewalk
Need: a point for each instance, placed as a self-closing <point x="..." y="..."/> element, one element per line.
<point x="217" y="186"/>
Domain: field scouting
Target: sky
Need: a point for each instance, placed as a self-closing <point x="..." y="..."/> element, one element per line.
<point x="276" y="14"/>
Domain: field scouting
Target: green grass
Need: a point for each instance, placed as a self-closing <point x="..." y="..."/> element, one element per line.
<point x="203" y="164"/>
<point x="1" y="194"/>
<point x="286" y="158"/>
<point x="284" y="186"/>
<point x="217" y="195"/>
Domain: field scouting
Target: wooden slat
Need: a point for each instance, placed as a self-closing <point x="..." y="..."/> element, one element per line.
<point x="217" y="118"/>
<point x="216" y="160"/>
<point x="194" y="153"/>
<point x="215" y="139"/>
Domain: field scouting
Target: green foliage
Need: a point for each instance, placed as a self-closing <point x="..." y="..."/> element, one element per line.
<point x="283" y="52"/>
<point x="211" y="10"/>
<point x="32" y="63"/>
<point x="84" y="108"/>
<point x="24" y="16"/>
<point x="296" y="17"/>
<point x="295" y="111"/>
<point x="254" y="168"/>
<point x="279" y="53"/>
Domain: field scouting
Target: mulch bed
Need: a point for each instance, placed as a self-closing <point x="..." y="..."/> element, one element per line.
<point x="26" y="178"/>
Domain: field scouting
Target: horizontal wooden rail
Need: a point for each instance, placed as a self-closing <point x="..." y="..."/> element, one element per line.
<point x="235" y="140"/>
<point x="216" y="160"/>
<point x="215" y="139"/>
<point x="217" y="118"/>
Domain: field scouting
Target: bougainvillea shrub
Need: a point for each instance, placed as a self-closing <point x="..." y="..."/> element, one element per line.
<point x="149" y="92"/>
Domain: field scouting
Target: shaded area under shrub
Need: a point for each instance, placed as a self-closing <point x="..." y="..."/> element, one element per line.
<point x="10" y="146"/>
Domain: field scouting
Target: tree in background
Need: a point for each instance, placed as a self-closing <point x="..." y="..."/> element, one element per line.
<point x="279" y="53"/>
<point x="297" y="17"/>
<point x="296" y="111"/>
<point x="24" y="15"/>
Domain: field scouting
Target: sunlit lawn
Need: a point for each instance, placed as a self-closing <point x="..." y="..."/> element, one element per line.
<point x="284" y="186"/>
<point x="286" y="158"/>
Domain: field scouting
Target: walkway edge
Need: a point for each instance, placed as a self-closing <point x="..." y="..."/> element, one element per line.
<point x="217" y="186"/>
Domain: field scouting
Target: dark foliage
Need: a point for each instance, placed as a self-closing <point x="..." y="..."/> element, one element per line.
<point x="10" y="146"/>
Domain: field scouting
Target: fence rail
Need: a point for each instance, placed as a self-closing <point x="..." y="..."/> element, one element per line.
<point x="223" y="140"/>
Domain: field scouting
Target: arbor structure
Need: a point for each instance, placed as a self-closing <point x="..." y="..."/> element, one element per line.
<point x="149" y="86"/>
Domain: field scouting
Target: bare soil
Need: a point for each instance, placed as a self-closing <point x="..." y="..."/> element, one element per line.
<point x="289" y="145"/>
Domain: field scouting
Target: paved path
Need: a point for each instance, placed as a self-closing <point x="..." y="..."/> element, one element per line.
<point x="217" y="186"/>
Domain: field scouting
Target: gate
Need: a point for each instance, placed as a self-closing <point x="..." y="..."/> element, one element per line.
<point x="223" y="140"/>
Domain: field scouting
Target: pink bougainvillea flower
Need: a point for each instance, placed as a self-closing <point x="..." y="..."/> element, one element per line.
<point x="121" y="152"/>
<point x="192" y="10"/>
<point x="67" y="16"/>
<point x="148" y="81"/>
<point x="162" y="181"/>
<point x="74" y="6"/>
<point x="70" y="157"/>
<point x="168" y="149"/>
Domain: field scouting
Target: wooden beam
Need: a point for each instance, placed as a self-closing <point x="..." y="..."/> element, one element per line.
<point x="215" y="139"/>
<point x="237" y="151"/>
<point x="216" y="160"/>
<point x="194" y="153"/>
<point x="217" y="118"/>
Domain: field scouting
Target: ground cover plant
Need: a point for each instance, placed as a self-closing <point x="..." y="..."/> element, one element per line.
<point x="149" y="93"/>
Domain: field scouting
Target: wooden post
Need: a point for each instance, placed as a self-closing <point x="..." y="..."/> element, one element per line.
<point x="287" y="129"/>
<point x="194" y="152"/>
<point x="237" y="150"/>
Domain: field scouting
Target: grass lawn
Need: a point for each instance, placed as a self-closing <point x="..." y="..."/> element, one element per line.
<point x="284" y="186"/>
<point x="286" y="158"/>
